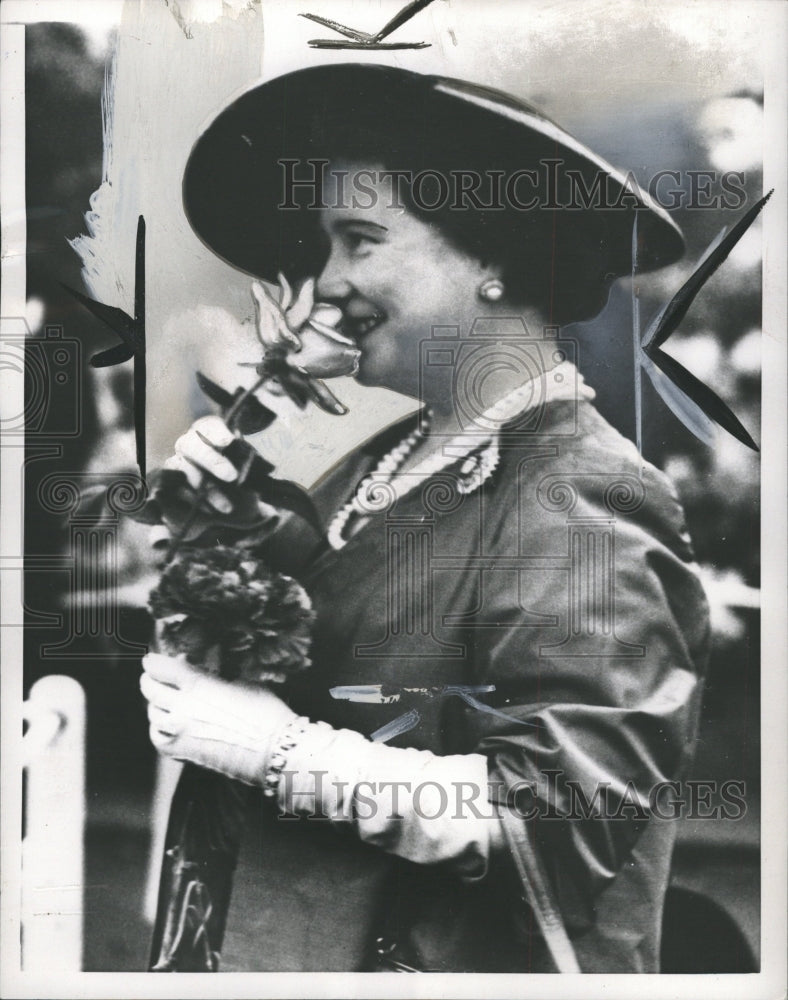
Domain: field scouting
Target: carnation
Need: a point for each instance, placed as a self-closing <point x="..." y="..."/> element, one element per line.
<point x="225" y="601"/>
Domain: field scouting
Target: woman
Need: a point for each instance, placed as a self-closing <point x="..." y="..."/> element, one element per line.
<point x="509" y="632"/>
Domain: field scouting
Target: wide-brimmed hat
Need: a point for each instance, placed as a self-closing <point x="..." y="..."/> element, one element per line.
<point x="568" y="224"/>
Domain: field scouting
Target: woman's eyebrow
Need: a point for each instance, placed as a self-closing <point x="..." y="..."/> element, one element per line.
<point x="347" y="223"/>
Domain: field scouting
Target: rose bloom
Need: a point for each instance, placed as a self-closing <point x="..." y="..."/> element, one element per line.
<point x="302" y="343"/>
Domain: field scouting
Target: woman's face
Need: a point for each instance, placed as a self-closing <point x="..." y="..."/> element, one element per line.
<point x="395" y="277"/>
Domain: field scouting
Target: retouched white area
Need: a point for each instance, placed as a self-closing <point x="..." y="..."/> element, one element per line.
<point x="198" y="310"/>
<point x="154" y="110"/>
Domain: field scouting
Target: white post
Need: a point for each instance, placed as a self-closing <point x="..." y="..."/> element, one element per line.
<point x="53" y="849"/>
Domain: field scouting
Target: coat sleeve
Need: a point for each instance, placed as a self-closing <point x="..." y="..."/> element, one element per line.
<point x="596" y="659"/>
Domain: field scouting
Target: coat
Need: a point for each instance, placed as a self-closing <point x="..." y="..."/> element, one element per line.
<point x="566" y="583"/>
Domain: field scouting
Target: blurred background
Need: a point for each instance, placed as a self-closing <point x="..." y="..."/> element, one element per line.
<point x="693" y="101"/>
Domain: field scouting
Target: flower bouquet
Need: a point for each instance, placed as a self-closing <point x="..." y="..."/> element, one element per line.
<point x="219" y="604"/>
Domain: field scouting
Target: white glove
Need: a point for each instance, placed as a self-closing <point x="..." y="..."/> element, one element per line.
<point x="198" y="455"/>
<point x="199" y="451"/>
<point x="197" y="717"/>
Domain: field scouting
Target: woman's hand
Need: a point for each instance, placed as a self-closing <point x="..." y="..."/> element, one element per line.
<point x="199" y="452"/>
<point x="224" y="502"/>
<point x="197" y="717"/>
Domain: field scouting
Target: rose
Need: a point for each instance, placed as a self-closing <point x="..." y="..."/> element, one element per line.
<point x="302" y="344"/>
<point x="306" y="329"/>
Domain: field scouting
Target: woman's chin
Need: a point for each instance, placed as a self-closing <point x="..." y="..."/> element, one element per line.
<point x="370" y="371"/>
<point x="370" y="379"/>
<point x="373" y="372"/>
<point x="381" y="366"/>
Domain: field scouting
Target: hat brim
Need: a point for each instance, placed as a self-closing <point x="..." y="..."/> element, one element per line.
<point x="233" y="182"/>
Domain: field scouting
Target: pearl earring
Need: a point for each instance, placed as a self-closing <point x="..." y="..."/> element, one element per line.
<point x="491" y="290"/>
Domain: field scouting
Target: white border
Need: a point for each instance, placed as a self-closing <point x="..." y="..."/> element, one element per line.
<point x="774" y="525"/>
<point x="12" y="304"/>
<point x="770" y="983"/>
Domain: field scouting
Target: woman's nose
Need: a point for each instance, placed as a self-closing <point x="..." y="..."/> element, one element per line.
<point x="333" y="282"/>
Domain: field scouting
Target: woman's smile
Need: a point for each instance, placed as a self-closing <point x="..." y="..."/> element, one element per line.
<point x="360" y="325"/>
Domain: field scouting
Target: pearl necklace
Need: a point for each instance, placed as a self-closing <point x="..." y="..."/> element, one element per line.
<point x="375" y="492"/>
<point x="371" y="485"/>
<point x="372" y="493"/>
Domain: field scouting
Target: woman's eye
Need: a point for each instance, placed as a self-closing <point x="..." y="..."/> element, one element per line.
<point x="359" y="243"/>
